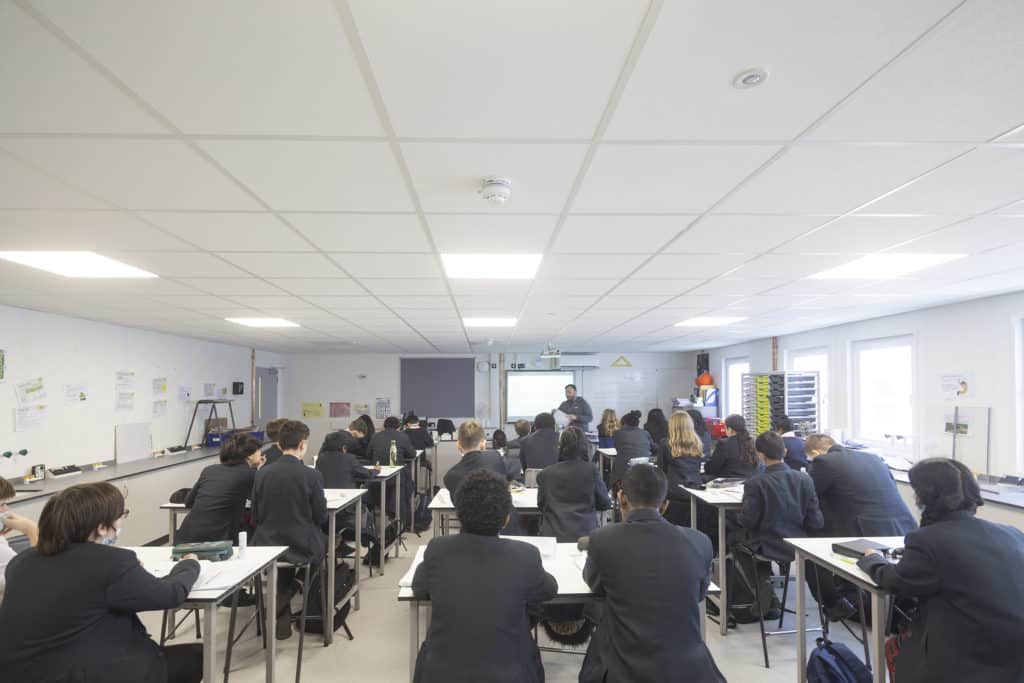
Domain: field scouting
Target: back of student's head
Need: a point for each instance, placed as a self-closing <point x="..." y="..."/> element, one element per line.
<point x="746" y="444"/>
<point x="357" y="425"/>
<point x="471" y="434"/>
<point x="237" y="448"/>
<point x="392" y="423"/>
<point x="656" y="416"/>
<point x="498" y="439"/>
<point x="783" y="424"/>
<point x="273" y="428"/>
<point x="644" y="486"/>
<point x="335" y="442"/>
<point x="632" y="418"/>
<point x="6" y="490"/>
<point x="482" y="503"/>
<point x="412" y="419"/>
<point x="522" y="427"/>
<point x="609" y="421"/>
<point x="699" y="425"/>
<point x="942" y="486"/>
<point x="368" y="421"/>
<point x="544" y="421"/>
<point x="293" y="433"/>
<point x="72" y="515"/>
<point x="771" y="446"/>
<point x="818" y="443"/>
<point x="569" y="442"/>
<point x="682" y="439"/>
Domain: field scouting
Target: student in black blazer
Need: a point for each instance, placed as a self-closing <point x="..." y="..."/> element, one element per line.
<point x="701" y="428"/>
<point x="653" y="576"/>
<point x="379" y="452"/>
<point x="289" y="508"/>
<point x="570" y="493"/>
<point x="470" y="444"/>
<point x="341" y="469"/>
<point x="656" y="425"/>
<point x="69" y="613"/>
<point x="630" y="442"/>
<point x="480" y="588"/>
<point x="419" y="437"/>
<point x="966" y="574"/>
<point x="795" y="455"/>
<point x="357" y="447"/>
<point x="216" y="504"/>
<point x="679" y="456"/>
<point x="272" y="451"/>
<point x="540" y="448"/>
<point x="734" y="456"/>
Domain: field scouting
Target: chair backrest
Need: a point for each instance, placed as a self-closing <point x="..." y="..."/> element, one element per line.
<point x="445" y="426"/>
<point x="530" y="477"/>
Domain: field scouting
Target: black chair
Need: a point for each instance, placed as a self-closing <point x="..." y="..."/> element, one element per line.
<point x="445" y="426"/>
<point x="306" y="588"/>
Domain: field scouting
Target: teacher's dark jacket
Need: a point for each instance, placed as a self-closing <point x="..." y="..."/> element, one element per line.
<point x="217" y="504"/>
<point x="858" y="495"/>
<point x="778" y="503"/>
<point x="71" y="617"/>
<point x="726" y="461"/>
<point x="581" y="409"/>
<point x="653" y="575"/>
<point x="569" y="494"/>
<point x="539" y="449"/>
<point x="967" y="574"/>
<point x="289" y="507"/>
<point x="630" y="442"/>
<point x="479" y="588"/>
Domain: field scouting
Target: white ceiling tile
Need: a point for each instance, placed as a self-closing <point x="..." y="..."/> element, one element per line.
<point x="388" y="265"/>
<point x="55" y="91"/>
<point x="235" y="67"/>
<point x="979" y="181"/>
<point x="978" y="265"/>
<point x="665" y="178"/>
<point x="278" y="301"/>
<point x="490" y="233"/>
<point x="447" y="176"/>
<point x="89" y="230"/>
<point x="284" y="264"/>
<point x="808" y="287"/>
<point x="962" y="69"/>
<point x="487" y="306"/>
<point x="689" y="266"/>
<point x="738" y="286"/>
<point x="559" y="285"/>
<point x="861" y="233"/>
<point x="178" y="264"/>
<point x="833" y="179"/>
<point x="697" y="48"/>
<point x="633" y="303"/>
<point x="588" y="266"/>
<point x="412" y="286"/>
<point x="197" y="301"/>
<point x="135" y="174"/>
<point x="322" y="175"/>
<point x="670" y="287"/>
<point x="544" y="303"/>
<point x="227" y="286"/>
<point x="318" y="286"/>
<point x="617" y="234"/>
<point x="787" y="267"/>
<point x="499" y="289"/>
<point x="741" y="234"/>
<point x="348" y="231"/>
<point x="222" y="231"/>
<point x="23" y="187"/>
<point x="422" y="304"/>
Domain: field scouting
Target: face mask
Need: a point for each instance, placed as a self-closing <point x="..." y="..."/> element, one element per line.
<point x="920" y="507"/>
<point x="107" y="540"/>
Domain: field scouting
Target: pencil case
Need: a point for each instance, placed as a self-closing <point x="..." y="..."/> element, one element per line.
<point x="214" y="551"/>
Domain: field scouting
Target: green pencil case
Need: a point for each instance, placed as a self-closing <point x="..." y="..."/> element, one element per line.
<point x="214" y="551"/>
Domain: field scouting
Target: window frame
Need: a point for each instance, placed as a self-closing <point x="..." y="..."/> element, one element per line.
<point x="856" y="347"/>
<point x="726" y="362"/>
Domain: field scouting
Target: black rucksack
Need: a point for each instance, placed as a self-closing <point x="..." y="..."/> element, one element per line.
<point x="741" y="574"/>
<point x="343" y="580"/>
<point x="422" y="518"/>
<point x="835" y="663"/>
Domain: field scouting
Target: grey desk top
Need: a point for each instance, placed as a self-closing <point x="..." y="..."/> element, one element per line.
<point x="992" y="492"/>
<point x="48" y="487"/>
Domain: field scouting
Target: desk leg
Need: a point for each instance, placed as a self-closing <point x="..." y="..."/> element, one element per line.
<point x="878" y="613"/>
<point x="437" y="523"/>
<point x="398" y="515"/>
<point x="693" y="512"/>
<point x="357" y="562"/>
<point x="702" y="608"/>
<point x="801" y="620"/>
<point x="414" y="635"/>
<point x="382" y="531"/>
<point x="173" y="526"/>
<point x="723" y="583"/>
<point x="270" y="615"/>
<point x="210" y="670"/>
<point x="332" y="545"/>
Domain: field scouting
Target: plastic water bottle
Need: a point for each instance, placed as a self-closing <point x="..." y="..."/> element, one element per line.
<point x="243" y="543"/>
<point x="393" y="454"/>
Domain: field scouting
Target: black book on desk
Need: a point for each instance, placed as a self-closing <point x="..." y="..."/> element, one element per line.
<point x="858" y="548"/>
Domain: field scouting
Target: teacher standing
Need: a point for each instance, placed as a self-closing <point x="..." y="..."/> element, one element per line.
<point x="576" y="408"/>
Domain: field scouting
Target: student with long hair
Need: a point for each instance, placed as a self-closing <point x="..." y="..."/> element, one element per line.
<point x="656" y="425"/>
<point x="734" y="456"/>
<point x="607" y="427"/>
<point x="701" y="429"/>
<point x="631" y="442"/>
<point x="570" y="492"/>
<point x="679" y="455"/>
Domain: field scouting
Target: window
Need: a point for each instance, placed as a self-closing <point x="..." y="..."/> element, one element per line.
<point x="814" y="360"/>
<point x="883" y="389"/>
<point x="735" y="368"/>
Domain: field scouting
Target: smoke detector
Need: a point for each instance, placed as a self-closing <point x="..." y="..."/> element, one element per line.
<point x="496" y="190"/>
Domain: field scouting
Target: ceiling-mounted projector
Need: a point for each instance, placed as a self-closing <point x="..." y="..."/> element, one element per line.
<point x="550" y="352"/>
<point x="496" y="190"/>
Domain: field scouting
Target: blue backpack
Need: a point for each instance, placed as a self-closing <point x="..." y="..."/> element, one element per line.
<point x="835" y="663"/>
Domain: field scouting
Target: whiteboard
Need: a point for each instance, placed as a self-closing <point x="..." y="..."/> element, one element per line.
<point x="133" y="442"/>
<point x="529" y="393"/>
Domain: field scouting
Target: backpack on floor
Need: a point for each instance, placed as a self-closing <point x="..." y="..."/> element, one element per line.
<point x="741" y="573"/>
<point x="422" y="518"/>
<point x="343" y="581"/>
<point x="835" y="663"/>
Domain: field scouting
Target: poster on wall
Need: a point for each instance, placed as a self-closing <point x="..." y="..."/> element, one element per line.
<point x="341" y="409"/>
<point x="75" y="394"/>
<point x="956" y="385"/>
<point x="28" y="418"/>
<point x="124" y="380"/>
<point x="312" y="409"/>
<point x="361" y="408"/>
<point x="30" y="392"/>
<point x="125" y="400"/>
<point x="159" y="408"/>
<point x="209" y="389"/>
<point x="383" y="408"/>
<point x="184" y="393"/>
<point x="159" y="386"/>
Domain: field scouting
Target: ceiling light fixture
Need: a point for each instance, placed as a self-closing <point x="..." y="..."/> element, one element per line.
<point x="550" y="352"/>
<point x="496" y="190"/>
<point x="262" y="322"/>
<point x="885" y="266"/>
<point x="491" y="266"/>
<point x="77" y="264"/>
<point x="749" y="78"/>
<point x="709" y="321"/>
<point x="489" y="322"/>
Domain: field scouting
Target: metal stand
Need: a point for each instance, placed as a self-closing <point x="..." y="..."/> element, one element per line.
<point x="212" y="402"/>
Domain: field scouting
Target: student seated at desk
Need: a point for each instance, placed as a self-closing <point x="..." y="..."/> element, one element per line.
<point x="630" y="442"/>
<point x="606" y="428"/>
<point x="10" y="521"/>
<point x="357" y="446"/>
<point x="570" y="493"/>
<point x="795" y="456"/>
<point x="734" y="456"/>
<point x="471" y="442"/>
<point x="523" y="429"/>
<point x="70" y="609"/>
<point x="480" y="589"/>
<point x="419" y="437"/>
<point x="341" y="469"/>
<point x="539" y="449"/>
<point x="653" y="575"/>
<point x="271" y="450"/>
<point x="216" y="504"/>
<point x="966" y="574"/>
<point x="679" y="456"/>
<point x="289" y="508"/>
<point x="701" y="429"/>
<point x="656" y="425"/>
<point x="513" y="468"/>
<point x="379" y="452"/>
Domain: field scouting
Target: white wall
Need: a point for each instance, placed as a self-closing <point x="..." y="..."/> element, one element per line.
<point x="67" y="350"/>
<point x="981" y="337"/>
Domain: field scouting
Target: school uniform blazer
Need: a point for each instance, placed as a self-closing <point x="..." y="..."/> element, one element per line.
<point x="657" y="430"/>
<point x="379" y="452"/>
<point x="289" y="507"/>
<point x="479" y="589"/>
<point x="795" y="456"/>
<point x="652" y="574"/>
<point x="966" y="573"/>
<point x="569" y="494"/>
<point x="341" y="470"/>
<point x="420" y="438"/>
<point x="726" y="462"/>
<point x="630" y="442"/>
<point x="679" y="472"/>
<point x="706" y="443"/>
<point x="779" y="503"/>
<point x="539" y="449"/>
<point x="272" y="454"/>
<point x="474" y="460"/>
<point x="217" y="504"/>
<point x="858" y="495"/>
<point x="71" y="617"/>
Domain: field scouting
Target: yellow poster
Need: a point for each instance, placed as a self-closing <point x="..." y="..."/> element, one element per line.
<point x="312" y="409"/>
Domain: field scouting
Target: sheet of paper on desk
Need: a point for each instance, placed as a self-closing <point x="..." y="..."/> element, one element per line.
<point x="580" y="559"/>
<point x="212" y="575"/>
<point x="406" y="581"/>
<point x="443" y="499"/>
<point x="547" y="545"/>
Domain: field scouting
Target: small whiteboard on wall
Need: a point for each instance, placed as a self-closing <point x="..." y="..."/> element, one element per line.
<point x="133" y="442"/>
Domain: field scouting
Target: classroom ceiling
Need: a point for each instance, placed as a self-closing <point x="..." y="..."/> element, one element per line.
<point x="311" y="160"/>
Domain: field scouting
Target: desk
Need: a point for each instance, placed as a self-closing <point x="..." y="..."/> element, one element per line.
<point x="338" y="500"/>
<point x="604" y="454"/>
<point x="524" y="501"/>
<point x="386" y="473"/>
<point x="728" y="498"/>
<point x="819" y="551"/>
<point x="257" y="560"/>
<point x="173" y="510"/>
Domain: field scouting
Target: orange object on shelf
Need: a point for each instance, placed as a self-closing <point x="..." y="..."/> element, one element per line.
<point x="705" y="380"/>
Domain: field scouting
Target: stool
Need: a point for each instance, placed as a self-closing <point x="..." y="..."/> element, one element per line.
<point x="306" y="587"/>
<point x="258" y="617"/>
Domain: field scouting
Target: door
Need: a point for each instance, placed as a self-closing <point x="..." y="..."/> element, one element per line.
<point x="266" y="396"/>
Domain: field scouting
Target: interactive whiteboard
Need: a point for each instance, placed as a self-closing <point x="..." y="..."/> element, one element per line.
<point x="528" y="393"/>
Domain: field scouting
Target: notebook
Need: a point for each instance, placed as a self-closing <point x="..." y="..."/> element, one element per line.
<point x="858" y="547"/>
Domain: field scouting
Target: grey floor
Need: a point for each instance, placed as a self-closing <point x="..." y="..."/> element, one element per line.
<point x="380" y="649"/>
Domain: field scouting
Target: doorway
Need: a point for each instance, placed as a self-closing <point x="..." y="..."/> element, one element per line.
<point x="266" y="396"/>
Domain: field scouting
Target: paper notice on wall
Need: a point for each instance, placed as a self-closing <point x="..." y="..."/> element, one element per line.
<point x="125" y="400"/>
<point x="159" y="408"/>
<point x="956" y="386"/>
<point x="341" y="409"/>
<point x="312" y="409"/>
<point x="209" y="389"/>
<point x="124" y="380"/>
<point x="159" y="386"/>
<point x="75" y="394"/>
<point x="361" y="408"/>
<point x="383" y="408"/>
<point x="184" y="394"/>
<point x="29" y="417"/>
<point x="30" y="392"/>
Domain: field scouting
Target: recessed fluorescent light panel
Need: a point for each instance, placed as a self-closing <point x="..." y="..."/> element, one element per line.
<point x="489" y="322"/>
<point x="709" y="322"/>
<point x="491" y="266"/>
<point x="885" y="266"/>
<point x="83" y="264"/>
<point x="262" y="322"/>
